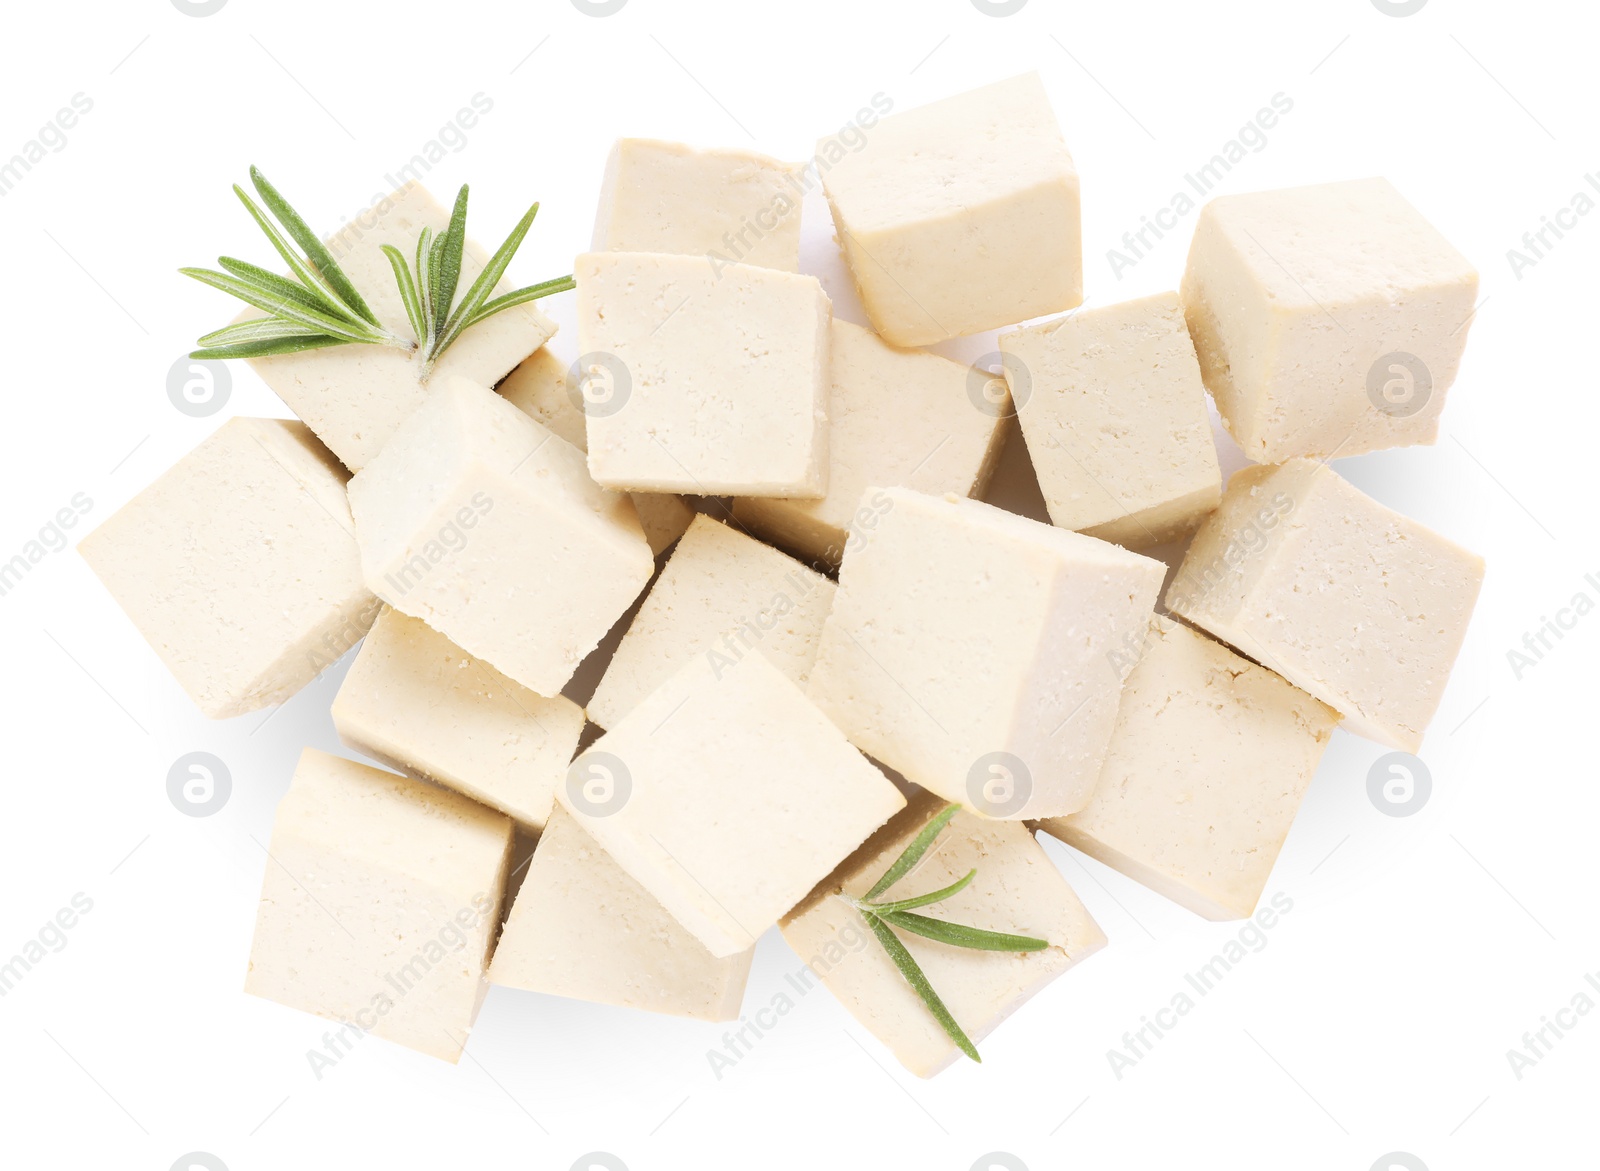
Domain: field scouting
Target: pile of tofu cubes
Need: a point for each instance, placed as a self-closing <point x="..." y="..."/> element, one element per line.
<point x="829" y="635"/>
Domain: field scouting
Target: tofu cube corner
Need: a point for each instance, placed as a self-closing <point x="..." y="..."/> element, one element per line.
<point x="239" y="566"/>
<point x="485" y="524"/>
<point x="380" y="903"/>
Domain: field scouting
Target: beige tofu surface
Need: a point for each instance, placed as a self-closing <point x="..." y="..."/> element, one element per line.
<point x="714" y="383"/>
<point x="1114" y="414"/>
<point x="720" y="595"/>
<point x="1361" y="607"/>
<point x="961" y="215"/>
<point x="239" y="566"/>
<point x="1017" y="891"/>
<point x="722" y="205"/>
<point x="728" y="796"/>
<point x="541" y="387"/>
<point x="379" y="904"/>
<point x="581" y="928"/>
<point x="485" y="524"/>
<point x="423" y="706"/>
<point x="355" y="397"/>
<point x="1328" y="319"/>
<point x="896" y="418"/>
<point x="1207" y="767"/>
<point x="973" y="651"/>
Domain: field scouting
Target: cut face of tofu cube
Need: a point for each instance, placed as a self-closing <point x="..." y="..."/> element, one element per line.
<point x="975" y="652"/>
<point x="1018" y="891"/>
<point x="421" y="704"/>
<point x="1210" y="758"/>
<point x="484" y="524"/>
<point x="541" y="388"/>
<point x="727" y="796"/>
<point x="719" y="205"/>
<point x="239" y="566"/>
<point x="895" y="417"/>
<point x="1360" y="606"/>
<point x="355" y="397"/>
<point x="959" y="216"/>
<point x="581" y="928"/>
<point x="702" y="381"/>
<point x="1328" y="319"/>
<point x="720" y="595"/>
<point x="1114" y="414"/>
<point x="380" y="904"/>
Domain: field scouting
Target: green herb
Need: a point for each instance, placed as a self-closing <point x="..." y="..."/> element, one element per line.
<point x="321" y="307"/>
<point x="881" y="916"/>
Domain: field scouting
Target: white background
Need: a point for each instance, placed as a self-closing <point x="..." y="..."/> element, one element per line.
<point x="1419" y="950"/>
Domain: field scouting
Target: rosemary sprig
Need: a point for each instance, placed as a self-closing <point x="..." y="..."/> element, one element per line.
<point x="322" y="307"/>
<point x="881" y="916"/>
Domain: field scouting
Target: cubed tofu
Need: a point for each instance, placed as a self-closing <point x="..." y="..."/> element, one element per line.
<point x="379" y="905"/>
<point x="720" y="205"/>
<point x="355" y="397"/>
<point x="1349" y="601"/>
<point x="714" y="382"/>
<point x="720" y="594"/>
<point x="1114" y="414"/>
<point x="974" y="651"/>
<point x="542" y="388"/>
<point x="1328" y="319"/>
<point x="422" y="705"/>
<point x="1208" y="763"/>
<point x="899" y="418"/>
<point x="239" y="566"/>
<point x="484" y="524"/>
<point x="727" y="796"/>
<point x="1017" y="891"/>
<point x="959" y="216"/>
<point x="581" y="928"/>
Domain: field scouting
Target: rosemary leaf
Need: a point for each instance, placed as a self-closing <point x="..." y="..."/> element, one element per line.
<point x="522" y="296"/>
<point x="447" y="263"/>
<point x="308" y="277"/>
<point x="936" y="896"/>
<point x="408" y="291"/>
<point x="327" y="266"/>
<point x="265" y="349"/>
<point x="315" y="321"/>
<point x="478" y="294"/>
<point x="257" y="329"/>
<point x="914" y="852"/>
<point x="424" y="278"/>
<point x="272" y="284"/>
<point x="919" y="984"/>
<point x="960" y="935"/>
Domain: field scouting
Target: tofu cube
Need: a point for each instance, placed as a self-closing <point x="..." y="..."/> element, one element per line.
<point x="727" y="796"/>
<point x="1017" y="891"/>
<point x="541" y="388"/>
<point x="1355" y="604"/>
<point x="959" y="216"/>
<point x="1114" y="414"/>
<point x="485" y="525"/>
<point x="423" y="706"/>
<point x="720" y="595"/>
<point x="975" y="652"/>
<point x="703" y="381"/>
<point x="900" y="418"/>
<point x="239" y="566"/>
<point x="1328" y="319"/>
<point x="379" y="905"/>
<point x="720" y="205"/>
<point x="355" y="397"/>
<point x="581" y="928"/>
<point x="1208" y="763"/>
